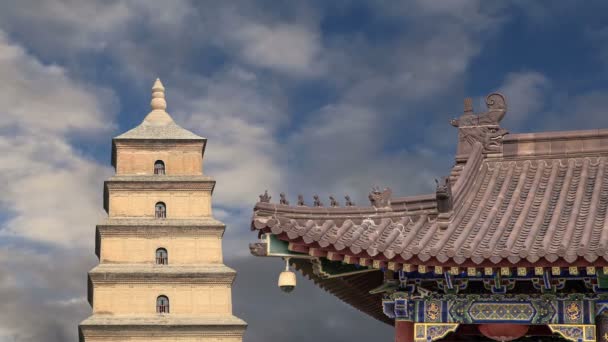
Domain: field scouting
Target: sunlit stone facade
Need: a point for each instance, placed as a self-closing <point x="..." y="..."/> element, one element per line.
<point x="161" y="275"/>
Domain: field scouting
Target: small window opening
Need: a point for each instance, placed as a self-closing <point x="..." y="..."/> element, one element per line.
<point x="162" y="258"/>
<point x="162" y="304"/>
<point x="161" y="210"/>
<point x="159" y="167"/>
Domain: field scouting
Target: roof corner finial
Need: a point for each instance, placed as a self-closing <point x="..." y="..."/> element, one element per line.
<point x="158" y="96"/>
<point x="265" y="197"/>
<point x="468" y="105"/>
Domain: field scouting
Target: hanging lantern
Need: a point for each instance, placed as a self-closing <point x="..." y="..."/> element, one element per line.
<point x="287" y="279"/>
<point x="503" y="331"/>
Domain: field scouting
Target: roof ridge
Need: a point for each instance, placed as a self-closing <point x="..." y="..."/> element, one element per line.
<point x="556" y="143"/>
<point x="470" y="166"/>
<point x="585" y="133"/>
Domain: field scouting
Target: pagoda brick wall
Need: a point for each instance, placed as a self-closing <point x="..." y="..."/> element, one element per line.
<point x="187" y="204"/>
<point x="185" y="249"/>
<point x="186" y="159"/>
<point x="185" y="299"/>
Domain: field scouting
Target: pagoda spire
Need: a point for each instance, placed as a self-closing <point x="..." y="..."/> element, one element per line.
<point x="158" y="116"/>
<point x="158" y="96"/>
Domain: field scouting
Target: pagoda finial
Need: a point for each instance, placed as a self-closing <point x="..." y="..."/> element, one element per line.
<point x="158" y="96"/>
<point x="158" y="116"/>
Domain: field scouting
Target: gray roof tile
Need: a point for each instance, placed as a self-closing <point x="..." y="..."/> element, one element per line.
<point x="169" y="131"/>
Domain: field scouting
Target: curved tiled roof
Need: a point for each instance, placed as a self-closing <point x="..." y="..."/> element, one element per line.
<point x="524" y="207"/>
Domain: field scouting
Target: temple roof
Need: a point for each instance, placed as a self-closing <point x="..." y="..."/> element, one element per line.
<point x="158" y="124"/>
<point x="510" y="200"/>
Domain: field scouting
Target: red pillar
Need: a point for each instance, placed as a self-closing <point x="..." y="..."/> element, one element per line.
<point x="404" y="331"/>
<point x="601" y="323"/>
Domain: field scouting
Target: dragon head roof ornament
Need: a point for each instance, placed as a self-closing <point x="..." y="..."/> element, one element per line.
<point x="333" y="202"/>
<point x="348" y="201"/>
<point x="443" y="194"/>
<point x="317" y="201"/>
<point x="483" y="128"/>
<point x="380" y="198"/>
<point x="265" y="197"/>
<point x="283" y="200"/>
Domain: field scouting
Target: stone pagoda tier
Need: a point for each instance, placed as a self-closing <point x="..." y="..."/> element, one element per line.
<point x="514" y="242"/>
<point x="161" y="275"/>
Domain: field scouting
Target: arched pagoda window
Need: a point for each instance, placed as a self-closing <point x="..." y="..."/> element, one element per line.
<point x="162" y="304"/>
<point x="160" y="210"/>
<point x="162" y="258"/>
<point x="159" y="167"/>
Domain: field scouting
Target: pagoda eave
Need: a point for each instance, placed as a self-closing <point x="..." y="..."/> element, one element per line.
<point x="106" y="326"/>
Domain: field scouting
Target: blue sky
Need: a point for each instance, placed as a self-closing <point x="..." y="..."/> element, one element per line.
<point x="302" y="97"/>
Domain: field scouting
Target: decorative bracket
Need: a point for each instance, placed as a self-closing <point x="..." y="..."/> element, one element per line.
<point x="398" y="308"/>
<point x="548" y="284"/>
<point x="576" y="333"/>
<point x="427" y="332"/>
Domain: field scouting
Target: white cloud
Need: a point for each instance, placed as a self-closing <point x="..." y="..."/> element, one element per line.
<point x="343" y="147"/>
<point x="341" y="150"/>
<point x="526" y="95"/>
<point x="240" y="115"/>
<point x="289" y="48"/>
<point x="68" y="24"/>
<point x="51" y="193"/>
<point x="37" y="291"/>
<point x="129" y="31"/>
<point x="42" y="97"/>
<point x="472" y="15"/>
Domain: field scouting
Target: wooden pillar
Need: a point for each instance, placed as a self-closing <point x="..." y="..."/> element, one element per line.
<point x="601" y="325"/>
<point x="404" y="331"/>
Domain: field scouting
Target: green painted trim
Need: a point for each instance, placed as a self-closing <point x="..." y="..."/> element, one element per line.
<point x="602" y="279"/>
<point x="279" y="248"/>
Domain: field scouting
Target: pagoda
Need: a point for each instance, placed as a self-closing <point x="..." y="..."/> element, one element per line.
<point x="513" y="244"/>
<point x="160" y="275"/>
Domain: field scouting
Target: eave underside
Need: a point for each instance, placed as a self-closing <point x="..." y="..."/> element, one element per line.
<point x="104" y="326"/>
<point x="210" y="273"/>
<point x="353" y="289"/>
